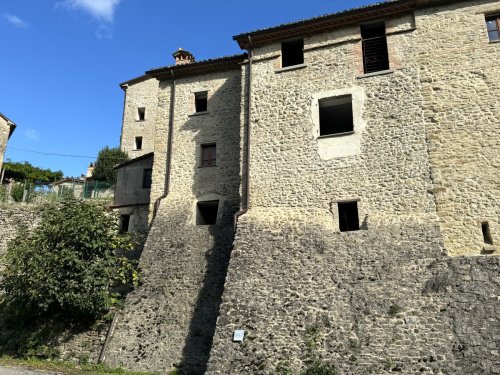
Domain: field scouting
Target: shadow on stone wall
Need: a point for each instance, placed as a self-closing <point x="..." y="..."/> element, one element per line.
<point x="197" y="346"/>
<point x="222" y="181"/>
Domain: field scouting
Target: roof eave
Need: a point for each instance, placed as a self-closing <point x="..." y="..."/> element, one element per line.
<point x="134" y="160"/>
<point x="196" y="68"/>
<point x="322" y="24"/>
<point x="133" y="81"/>
<point x="12" y="128"/>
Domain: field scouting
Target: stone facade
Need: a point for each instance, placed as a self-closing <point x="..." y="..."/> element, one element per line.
<point x="462" y="119"/>
<point x="141" y="94"/>
<point x="414" y="290"/>
<point x="184" y="264"/>
<point x="6" y="129"/>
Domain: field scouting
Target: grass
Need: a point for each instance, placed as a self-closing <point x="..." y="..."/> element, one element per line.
<point x="67" y="368"/>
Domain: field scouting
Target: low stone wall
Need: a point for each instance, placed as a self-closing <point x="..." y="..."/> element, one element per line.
<point x="84" y="345"/>
<point x="383" y="300"/>
<point x="11" y="218"/>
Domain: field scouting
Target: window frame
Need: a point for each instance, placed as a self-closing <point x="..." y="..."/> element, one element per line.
<point x="334" y="99"/>
<point x="147" y="178"/>
<point x="141" y="114"/>
<point x="212" y="157"/>
<point x="201" y="215"/>
<point x="496" y="18"/>
<point x="365" y="41"/>
<point x="136" y="143"/>
<point x="357" y="226"/>
<point x="125" y="218"/>
<point x="289" y="42"/>
<point x="198" y="96"/>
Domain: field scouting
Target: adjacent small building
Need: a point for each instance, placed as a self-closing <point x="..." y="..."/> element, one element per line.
<point x="133" y="187"/>
<point x="7" y="127"/>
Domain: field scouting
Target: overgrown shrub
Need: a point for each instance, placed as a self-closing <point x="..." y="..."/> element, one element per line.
<point x="17" y="192"/>
<point x="4" y="195"/>
<point x="68" y="263"/>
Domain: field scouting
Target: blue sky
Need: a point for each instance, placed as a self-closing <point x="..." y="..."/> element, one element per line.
<point x="62" y="61"/>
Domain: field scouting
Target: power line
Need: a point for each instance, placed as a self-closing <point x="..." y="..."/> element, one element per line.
<point x="56" y="154"/>
<point x="51" y="153"/>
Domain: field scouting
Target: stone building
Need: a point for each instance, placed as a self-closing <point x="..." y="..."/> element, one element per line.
<point x="333" y="194"/>
<point x="7" y="127"/>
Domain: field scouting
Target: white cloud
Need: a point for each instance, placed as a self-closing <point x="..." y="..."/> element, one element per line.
<point x="102" y="10"/>
<point x="30" y="134"/>
<point x="15" y="21"/>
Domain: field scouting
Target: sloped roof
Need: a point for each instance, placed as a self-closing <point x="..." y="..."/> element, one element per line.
<point x="10" y="123"/>
<point x="332" y="21"/>
<point x="198" y="67"/>
<point x="134" y="160"/>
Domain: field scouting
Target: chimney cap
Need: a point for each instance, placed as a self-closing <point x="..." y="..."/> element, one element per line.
<point x="182" y="56"/>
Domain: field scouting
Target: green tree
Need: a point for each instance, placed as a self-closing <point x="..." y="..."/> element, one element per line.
<point x="68" y="263"/>
<point x="106" y="160"/>
<point x="25" y="171"/>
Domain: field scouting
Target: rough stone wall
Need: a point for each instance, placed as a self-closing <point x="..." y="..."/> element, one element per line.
<point x="386" y="298"/>
<point x="169" y="321"/>
<point x="390" y="175"/>
<point x="376" y="301"/>
<point x="462" y="117"/>
<point x="4" y="137"/>
<point x="11" y="218"/>
<point x="143" y="94"/>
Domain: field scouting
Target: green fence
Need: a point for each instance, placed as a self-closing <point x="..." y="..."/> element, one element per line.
<point x="31" y="192"/>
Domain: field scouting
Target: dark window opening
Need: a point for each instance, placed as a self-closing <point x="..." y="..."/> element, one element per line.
<point x="124" y="223"/>
<point x="493" y="27"/>
<point x="147" y="178"/>
<point x="335" y="115"/>
<point x="348" y="216"/>
<point x="292" y="53"/>
<point x="485" y="227"/>
<point x="141" y="114"/>
<point x="208" y="155"/>
<point x="201" y="101"/>
<point x="206" y="213"/>
<point x="138" y="143"/>
<point x="375" y="51"/>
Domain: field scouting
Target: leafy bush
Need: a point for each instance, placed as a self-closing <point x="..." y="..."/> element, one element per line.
<point x="17" y="192"/>
<point x="3" y="194"/>
<point x="68" y="263"/>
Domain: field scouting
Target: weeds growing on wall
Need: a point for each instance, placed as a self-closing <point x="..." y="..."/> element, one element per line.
<point x="61" y="275"/>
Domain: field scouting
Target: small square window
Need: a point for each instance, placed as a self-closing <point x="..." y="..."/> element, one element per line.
<point x="208" y="155"/>
<point x="206" y="212"/>
<point x="348" y="216"/>
<point x="138" y="143"/>
<point x="335" y="115"/>
<point x="147" y="179"/>
<point x="292" y="53"/>
<point x="201" y="101"/>
<point x="493" y="27"/>
<point x="375" y="51"/>
<point x="141" y="114"/>
<point x="124" y="223"/>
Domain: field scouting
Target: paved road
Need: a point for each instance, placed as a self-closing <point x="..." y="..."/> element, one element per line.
<point x="22" y="371"/>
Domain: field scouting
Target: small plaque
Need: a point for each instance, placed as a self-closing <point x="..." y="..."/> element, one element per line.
<point x="238" y="336"/>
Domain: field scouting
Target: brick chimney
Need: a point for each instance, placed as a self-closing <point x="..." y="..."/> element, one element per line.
<point x="183" y="57"/>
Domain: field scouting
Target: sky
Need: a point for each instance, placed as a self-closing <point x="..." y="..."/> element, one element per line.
<point x="62" y="61"/>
